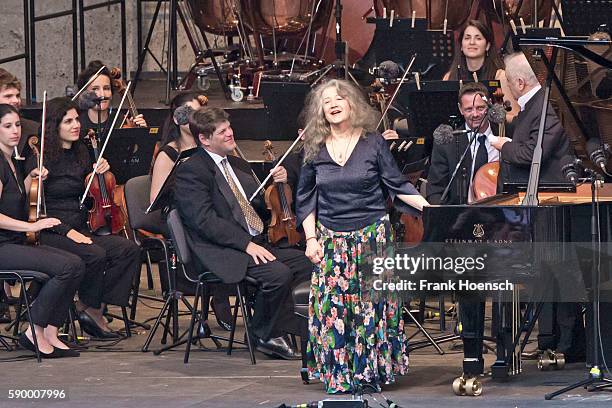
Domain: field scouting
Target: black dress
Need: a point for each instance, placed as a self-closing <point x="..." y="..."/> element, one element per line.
<point x="111" y="261"/>
<point x="65" y="270"/>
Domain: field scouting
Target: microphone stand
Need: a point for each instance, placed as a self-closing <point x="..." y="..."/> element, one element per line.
<point x="454" y="175"/>
<point x="596" y="378"/>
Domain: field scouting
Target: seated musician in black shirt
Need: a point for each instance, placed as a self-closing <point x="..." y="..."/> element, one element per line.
<point x="225" y="230"/>
<point x="99" y="115"/>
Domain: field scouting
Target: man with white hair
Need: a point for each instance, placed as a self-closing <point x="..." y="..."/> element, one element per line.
<point x="560" y="325"/>
<point x="517" y="153"/>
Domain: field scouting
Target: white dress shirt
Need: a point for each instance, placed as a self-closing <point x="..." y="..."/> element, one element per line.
<point x="218" y="159"/>
<point x="522" y="101"/>
<point x="492" y="152"/>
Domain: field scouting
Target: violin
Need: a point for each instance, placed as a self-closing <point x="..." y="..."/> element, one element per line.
<point x="120" y="86"/>
<point x="105" y="216"/>
<point x="36" y="198"/>
<point x="278" y="198"/>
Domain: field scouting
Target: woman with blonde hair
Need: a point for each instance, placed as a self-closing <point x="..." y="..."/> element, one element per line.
<point x="355" y="335"/>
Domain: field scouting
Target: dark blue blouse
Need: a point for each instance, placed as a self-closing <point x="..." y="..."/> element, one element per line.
<point x="350" y="197"/>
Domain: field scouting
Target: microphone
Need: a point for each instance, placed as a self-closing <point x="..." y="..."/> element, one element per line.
<point x="496" y="112"/>
<point x="598" y="153"/>
<point x="388" y="70"/>
<point x="89" y="99"/>
<point x="444" y="134"/>
<point x="181" y="115"/>
<point x="571" y="168"/>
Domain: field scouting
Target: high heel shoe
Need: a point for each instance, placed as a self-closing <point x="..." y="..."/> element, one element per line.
<point x="89" y="325"/>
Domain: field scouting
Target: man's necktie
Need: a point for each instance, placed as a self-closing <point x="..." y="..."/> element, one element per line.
<point x="482" y="157"/>
<point x="250" y="215"/>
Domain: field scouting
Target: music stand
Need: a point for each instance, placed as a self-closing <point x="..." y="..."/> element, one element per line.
<point x="430" y="46"/>
<point x="164" y="199"/>
<point x="129" y="152"/>
<point x="583" y="17"/>
<point x="409" y="153"/>
<point x="163" y="202"/>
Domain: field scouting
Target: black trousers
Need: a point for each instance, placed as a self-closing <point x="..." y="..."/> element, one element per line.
<point x="64" y="269"/>
<point x="273" y="305"/>
<point x="111" y="263"/>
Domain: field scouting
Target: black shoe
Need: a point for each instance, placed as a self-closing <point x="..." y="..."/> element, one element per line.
<point x="25" y="342"/>
<point x="60" y="353"/>
<point x="276" y="347"/>
<point x="222" y="314"/>
<point x="89" y="325"/>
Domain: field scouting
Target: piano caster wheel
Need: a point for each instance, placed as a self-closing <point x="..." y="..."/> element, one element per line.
<point x="550" y="360"/>
<point x="470" y="386"/>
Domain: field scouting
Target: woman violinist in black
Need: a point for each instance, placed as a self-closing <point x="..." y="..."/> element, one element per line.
<point x="64" y="269"/>
<point x="111" y="261"/>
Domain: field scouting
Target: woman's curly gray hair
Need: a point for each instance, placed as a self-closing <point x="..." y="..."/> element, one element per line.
<point x="362" y="115"/>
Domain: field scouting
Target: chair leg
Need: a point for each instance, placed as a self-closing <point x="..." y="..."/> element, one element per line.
<point x="194" y="312"/>
<point x="135" y="292"/>
<point x="24" y="294"/>
<point x="126" y="322"/>
<point x="149" y="272"/>
<point x="247" y="321"/>
<point x="230" y="345"/>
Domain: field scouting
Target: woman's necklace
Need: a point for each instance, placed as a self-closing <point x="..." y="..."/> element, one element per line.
<point x="340" y="158"/>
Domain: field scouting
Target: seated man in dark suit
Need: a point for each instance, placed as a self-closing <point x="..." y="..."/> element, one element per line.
<point x="517" y="153"/>
<point x="224" y="230"/>
<point x="444" y="157"/>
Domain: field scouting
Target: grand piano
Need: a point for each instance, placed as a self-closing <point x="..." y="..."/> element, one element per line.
<point x="557" y="216"/>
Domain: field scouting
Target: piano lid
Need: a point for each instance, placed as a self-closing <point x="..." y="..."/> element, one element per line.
<point x="580" y="67"/>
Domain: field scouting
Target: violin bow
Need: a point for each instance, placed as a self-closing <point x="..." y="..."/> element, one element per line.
<point x="280" y="161"/>
<point x="41" y="155"/>
<point x="89" y="81"/>
<point x="392" y="99"/>
<point x="127" y="89"/>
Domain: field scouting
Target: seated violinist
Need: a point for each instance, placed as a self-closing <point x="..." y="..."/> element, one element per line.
<point x="225" y="230"/>
<point x="102" y="86"/>
<point x="111" y="261"/>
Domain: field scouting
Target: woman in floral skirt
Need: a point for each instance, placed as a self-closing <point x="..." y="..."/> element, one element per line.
<point x="356" y="334"/>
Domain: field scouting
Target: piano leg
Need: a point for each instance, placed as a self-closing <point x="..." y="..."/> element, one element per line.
<point x="471" y="327"/>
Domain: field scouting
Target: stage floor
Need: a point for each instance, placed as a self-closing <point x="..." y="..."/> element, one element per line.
<point x="123" y="376"/>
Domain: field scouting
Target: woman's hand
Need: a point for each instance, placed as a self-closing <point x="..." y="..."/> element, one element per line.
<point x="34" y="173"/>
<point x="79" y="238"/>
<point x="314" y="252"/>
<point x="44" y="223"/>
<point x="390" y="134"/>
<point x="103" y="167"/>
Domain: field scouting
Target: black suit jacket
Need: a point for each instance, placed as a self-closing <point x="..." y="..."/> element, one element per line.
<point x="516" y="156"/>
<point x="444" y="159"/>
<point x="217" y="232"/>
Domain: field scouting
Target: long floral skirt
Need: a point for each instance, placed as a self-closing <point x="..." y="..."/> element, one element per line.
<point x="355" y="334"/>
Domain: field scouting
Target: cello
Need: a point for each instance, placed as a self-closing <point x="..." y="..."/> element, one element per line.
<point x="278" y="197"/>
